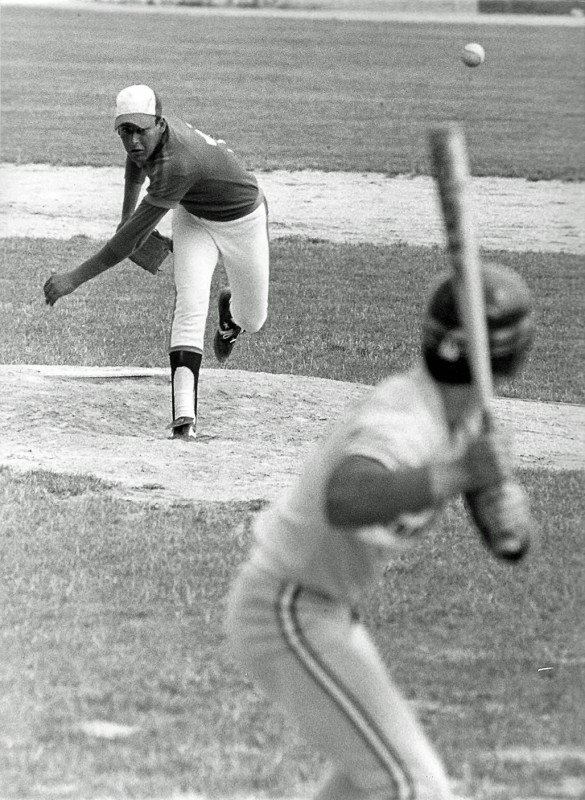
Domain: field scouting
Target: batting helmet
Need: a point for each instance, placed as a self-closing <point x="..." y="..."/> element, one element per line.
<point x="510" y="324"/>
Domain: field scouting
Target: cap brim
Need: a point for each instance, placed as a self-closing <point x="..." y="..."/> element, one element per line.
<point x="140" y="120"/>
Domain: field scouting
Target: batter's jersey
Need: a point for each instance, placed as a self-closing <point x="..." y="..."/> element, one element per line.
<point x="400" y="423"/>
<point x="200" y="173"/>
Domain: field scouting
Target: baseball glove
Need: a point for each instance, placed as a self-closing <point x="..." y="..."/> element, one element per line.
<point x="152" y="252"/>
<point x="502" y="516"/>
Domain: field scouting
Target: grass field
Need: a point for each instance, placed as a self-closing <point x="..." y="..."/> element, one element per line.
<point x="113" y="610"/>
<point x="297" y="94"/>
<point x="357" y="294"/>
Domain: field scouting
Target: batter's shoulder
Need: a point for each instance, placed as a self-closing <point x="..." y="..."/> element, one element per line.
<point x="399" y="391"/>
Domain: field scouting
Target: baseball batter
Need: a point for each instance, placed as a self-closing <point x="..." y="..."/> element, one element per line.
<point x="218" y="209"/>
<point x="373" y="486"/>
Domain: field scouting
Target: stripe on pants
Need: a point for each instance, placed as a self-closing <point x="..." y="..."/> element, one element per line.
<point x="346" y="702"/>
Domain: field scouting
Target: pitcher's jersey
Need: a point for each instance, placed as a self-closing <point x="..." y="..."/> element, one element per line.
<point x="400" y="423"/>
<point x="200" y="173"/>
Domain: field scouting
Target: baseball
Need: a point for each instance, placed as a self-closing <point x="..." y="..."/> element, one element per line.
<point x="473" y="55"/>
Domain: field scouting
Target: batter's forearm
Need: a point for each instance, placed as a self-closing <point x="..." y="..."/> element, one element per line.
<point x="362" y="491"/>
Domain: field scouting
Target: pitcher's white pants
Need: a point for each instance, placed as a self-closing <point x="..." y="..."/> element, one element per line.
<point x="197" y="246"/>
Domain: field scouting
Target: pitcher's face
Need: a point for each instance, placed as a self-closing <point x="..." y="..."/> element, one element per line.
<point x="140" y="143"/>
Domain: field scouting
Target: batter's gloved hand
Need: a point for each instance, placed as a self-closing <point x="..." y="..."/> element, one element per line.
<point x="58" y="285"/>
<point x="502" y="516"/>
<point x="488" y="458"/>
<point x="152" y="252"/>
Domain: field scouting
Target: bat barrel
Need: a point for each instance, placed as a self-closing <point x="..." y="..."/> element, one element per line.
<point x="449" y="158"/>
<point x="451" y="171"/>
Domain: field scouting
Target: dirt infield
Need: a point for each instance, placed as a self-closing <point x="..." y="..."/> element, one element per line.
<point x="110" y="422"/>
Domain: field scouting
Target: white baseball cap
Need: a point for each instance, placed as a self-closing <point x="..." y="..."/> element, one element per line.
<point x="139" y="105"/>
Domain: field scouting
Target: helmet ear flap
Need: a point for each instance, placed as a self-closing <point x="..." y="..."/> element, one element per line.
<point x="444" y="352"/>
<point x="510" y="345"/>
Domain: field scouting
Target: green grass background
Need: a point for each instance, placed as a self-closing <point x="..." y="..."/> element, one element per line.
<point x="358" y="307"/>
<point x="297" y="93"/>
<point x="113" y="610"/>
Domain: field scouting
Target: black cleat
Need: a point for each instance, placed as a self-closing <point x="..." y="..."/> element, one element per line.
<point x="228" y="331"/>
<point x="183" y="428"/>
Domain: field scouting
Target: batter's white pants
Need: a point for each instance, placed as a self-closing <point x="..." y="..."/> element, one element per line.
<point x="197" y="246"/>
<point x="312" y="658"/>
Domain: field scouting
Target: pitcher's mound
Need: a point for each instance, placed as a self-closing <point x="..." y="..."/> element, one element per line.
<point x="254" y="429"/>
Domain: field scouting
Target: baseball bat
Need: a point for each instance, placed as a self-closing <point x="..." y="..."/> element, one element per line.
<point x="451" y="171"/>
<point x="501" y="513"/>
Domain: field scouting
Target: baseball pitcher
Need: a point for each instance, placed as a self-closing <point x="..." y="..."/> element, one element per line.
<point x="374" y="485"/>
<point x="218" y="210"/>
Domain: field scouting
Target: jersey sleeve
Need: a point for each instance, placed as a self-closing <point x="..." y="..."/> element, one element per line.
<point x="372" y="436"/>
<point x="135" y="230"/>
<point x="398" y="437"/>
<point x="395" y="425"/>
<point x="168" y="185"/>
<point x="396" y="450"/>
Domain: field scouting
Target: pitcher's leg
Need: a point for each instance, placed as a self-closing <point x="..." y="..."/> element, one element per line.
<point x="185" y="366"/>
<point x="195" y="257"/>
<point x="246" y="257"/>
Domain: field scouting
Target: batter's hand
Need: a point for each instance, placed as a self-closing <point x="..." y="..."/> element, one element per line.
<point x="58" y="285"/>
<point x="502" y="516"/>
<point x="488" y="458"/>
